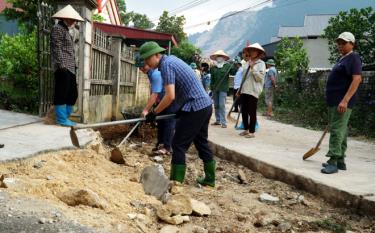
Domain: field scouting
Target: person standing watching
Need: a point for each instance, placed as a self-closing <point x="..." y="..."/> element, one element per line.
<point x="63" y="60"/>
<point x="270" y="86"/>
<point x="220" y="84"/>
<point x="251" y="89"/>
<point x="237" y="82"/>
<point x="341" y="94"/>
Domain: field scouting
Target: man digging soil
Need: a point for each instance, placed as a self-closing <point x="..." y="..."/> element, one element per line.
<point x="182" y="86"/>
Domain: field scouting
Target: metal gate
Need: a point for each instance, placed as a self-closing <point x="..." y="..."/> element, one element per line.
<point x="46" y="80"/>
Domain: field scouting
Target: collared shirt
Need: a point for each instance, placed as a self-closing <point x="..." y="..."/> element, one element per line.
<point x="156" y="82"/>
<point x="62" y="48"/>
<point x="238" y="78"/>
<point x="272" y="72"/>
<point x="189" y="92"/>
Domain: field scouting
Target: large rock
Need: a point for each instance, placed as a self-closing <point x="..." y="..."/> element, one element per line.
<point x="155" y="182"/>
<point x="173" y="210"/>
<point x="86" y="197"/>
<point x="199" y="208"/>
<point x="267" y="198"/>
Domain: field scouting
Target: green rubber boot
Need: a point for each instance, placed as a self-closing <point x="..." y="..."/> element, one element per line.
<point x="209" y="171"/>
<point x="178" y="172"/>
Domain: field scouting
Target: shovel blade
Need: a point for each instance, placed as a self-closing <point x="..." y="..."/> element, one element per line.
<point x="116" y="156"/>
<point x="310" y="153"/>
<point x="74" y="138"/>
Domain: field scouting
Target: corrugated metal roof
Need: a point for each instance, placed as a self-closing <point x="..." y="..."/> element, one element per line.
<point x="314" y="25"/>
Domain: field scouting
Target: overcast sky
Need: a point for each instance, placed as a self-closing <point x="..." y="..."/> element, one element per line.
<point x="200" y="14"/>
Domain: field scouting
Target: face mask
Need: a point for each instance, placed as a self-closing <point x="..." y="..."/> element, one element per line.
<point x="220" y="60"/>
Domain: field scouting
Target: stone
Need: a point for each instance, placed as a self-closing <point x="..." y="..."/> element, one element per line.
<point x="242" y="177"/>
<point x="190" y="228"/>
<point x="176" y="189"/>
<point x="143" y="219"/>
<point x="38" y="165"/>
<point x="267" y="198"/>
<point x="284" y="227"/>
<point x="49" y="177"/>
<point x="200" y="208"/>
<point x="300" y="198"/>
<point x="263" y="219"/>
<point x="241" y="217"/>
<point x="132" y="216"/>
<point x="137" y="204"/>
<point x="186" y="218"/>
<point x="154" y="181"/>
<point x="158" y="159"/>
<point x="169" y="229"/>
<point x="9" y="182"/>
<point x="180" y="205"/>
<point x="75" y="197"/>
<point x="42" y="221"/>
<point x="253" y="191"/>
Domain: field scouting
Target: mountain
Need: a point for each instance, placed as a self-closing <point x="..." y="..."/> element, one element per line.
<point x="231" y="33"/>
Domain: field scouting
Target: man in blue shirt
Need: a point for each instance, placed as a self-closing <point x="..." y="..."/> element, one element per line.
<point x="165" y="127"/>
<point x="270" y="85"/>
<point x="341" y="93"/>
<point x="237" y="82"/>
<point x="182" y="87"/>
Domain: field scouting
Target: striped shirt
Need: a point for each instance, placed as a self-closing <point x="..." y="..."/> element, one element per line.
<point x="189" y="92"/>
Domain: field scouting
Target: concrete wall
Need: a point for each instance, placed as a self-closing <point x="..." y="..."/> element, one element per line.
<point x="318" y="52"/>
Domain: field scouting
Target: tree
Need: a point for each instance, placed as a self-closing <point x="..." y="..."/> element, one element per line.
<point x="139" y="20"/>
<point x="360" y="22"/>
<point x="173" y="25"/>
<point x="291" y="57"/>
<point x="97" y="18"/>
<point x="185" y="51"/>
<point x="25" y="12"/>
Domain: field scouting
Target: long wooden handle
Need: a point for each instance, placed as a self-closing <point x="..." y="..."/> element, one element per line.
<point x="322" y="137"/>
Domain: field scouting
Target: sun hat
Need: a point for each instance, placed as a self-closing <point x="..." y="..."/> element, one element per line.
<point x="270" y="62"/>
<point x="68" y="12"/>
<point x="255" y="46"/>
<point x="219" y="53"/>
<point x="139" y="62"/>
<point x="150" y="48"/>
<point x="346" y="36"/>
<point x="193" y="65"/>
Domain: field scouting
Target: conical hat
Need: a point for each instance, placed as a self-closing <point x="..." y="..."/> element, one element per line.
<point x="219" y="53"/>
<point x="68" y="12"/>
<point x="255" y="46"/>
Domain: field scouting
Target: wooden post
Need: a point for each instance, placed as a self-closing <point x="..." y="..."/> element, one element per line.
<point x="116" y="75"/>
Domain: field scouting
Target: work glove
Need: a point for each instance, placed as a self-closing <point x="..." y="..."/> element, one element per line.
<point x="151" y="117"/>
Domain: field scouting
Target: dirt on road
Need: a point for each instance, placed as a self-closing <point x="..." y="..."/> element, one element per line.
<point x="235" y="202"/>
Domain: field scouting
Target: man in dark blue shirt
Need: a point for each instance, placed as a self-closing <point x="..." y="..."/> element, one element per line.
<point x="182" y="87"/>
<point x="341" y="90"/>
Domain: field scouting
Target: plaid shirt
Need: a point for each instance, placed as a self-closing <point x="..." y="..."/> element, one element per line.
<point x="190" y="95"/>
<point x="62" y="48"/>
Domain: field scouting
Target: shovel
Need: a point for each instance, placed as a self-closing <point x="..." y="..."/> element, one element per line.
<point x="116" y="155"/>
<point x="315" y="149"/>
<point x="74" y="138"/>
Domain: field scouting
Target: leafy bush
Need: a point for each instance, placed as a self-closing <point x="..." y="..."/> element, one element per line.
<point x="19" y="72"/>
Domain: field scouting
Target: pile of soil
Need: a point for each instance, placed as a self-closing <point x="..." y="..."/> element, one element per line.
<point x="234" y="203"/>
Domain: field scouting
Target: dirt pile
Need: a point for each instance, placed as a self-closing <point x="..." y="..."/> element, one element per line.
<point x="233" y="206"/>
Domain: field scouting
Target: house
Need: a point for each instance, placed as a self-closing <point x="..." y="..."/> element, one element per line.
<point x="7" y="26"/>
<point x="109" y="11"/>
<point x="311" y="33"/>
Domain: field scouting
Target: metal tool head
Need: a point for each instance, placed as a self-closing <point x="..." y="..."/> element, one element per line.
<point x="116" y="156"/>
<point x="74" y="138"/>
<point x="310" y="153"/>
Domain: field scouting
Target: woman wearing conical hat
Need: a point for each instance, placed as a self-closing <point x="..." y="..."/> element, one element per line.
<point x="64" y="66"/>
<point x="251" y="88"/>
<point x="220" y="84"/>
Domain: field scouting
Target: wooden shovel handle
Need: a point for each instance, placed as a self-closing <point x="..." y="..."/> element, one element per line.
<point x="321" y="138"/>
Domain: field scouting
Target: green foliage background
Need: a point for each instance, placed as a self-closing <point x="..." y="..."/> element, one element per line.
<point x="185" y="51"/>
<point x="19" y="71"/>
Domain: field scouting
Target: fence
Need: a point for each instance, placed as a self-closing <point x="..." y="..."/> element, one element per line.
<point x="115" y="84"/>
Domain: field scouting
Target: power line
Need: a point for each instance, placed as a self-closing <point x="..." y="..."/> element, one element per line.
<point x="227" y="16"/>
